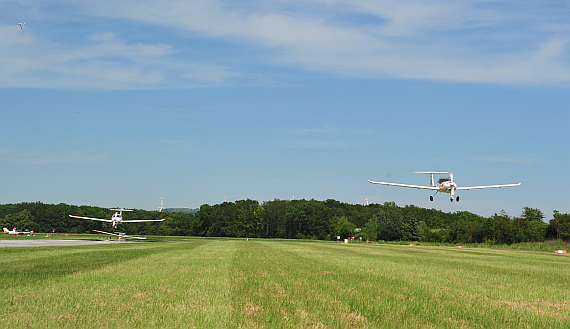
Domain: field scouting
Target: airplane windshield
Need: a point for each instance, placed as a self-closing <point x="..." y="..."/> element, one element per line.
<point x="443" y="179"/>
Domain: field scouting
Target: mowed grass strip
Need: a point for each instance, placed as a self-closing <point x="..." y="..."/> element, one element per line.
<point x="295" y="284"/>
<point x="235" y="283"/>
<point x="170" y="284"/>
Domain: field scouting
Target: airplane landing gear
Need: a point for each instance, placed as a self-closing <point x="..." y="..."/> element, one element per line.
<point x="451" y="199"/>
<point x="457" y="199"/>
<point x="431" y="196"/>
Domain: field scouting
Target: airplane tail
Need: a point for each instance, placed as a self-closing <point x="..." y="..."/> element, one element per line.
<point x="431" y="181"/>
<point x="5" y="230"/>
<point x="120" y="210"/>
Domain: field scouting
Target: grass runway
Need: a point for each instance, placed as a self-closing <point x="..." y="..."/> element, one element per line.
<point x="234" y="283"/>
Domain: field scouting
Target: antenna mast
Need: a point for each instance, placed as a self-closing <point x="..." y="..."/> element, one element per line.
<point x="161" y="205"/>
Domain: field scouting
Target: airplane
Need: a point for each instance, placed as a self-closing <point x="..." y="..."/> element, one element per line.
<point x="21" y="24"/>
<point x="121" y="235"/>
<point x="444" y="184"/>
<point x="117" y="218"/>
<point x="16" y="232"/>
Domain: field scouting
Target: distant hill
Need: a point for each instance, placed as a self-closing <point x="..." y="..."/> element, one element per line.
<point x="184" y="210"/>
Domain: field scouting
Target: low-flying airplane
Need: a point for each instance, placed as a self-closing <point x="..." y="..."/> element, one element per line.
<point x="444" y="184"/>
<point x="117" y="218"/>
<point x="21" y="24"/>
<point x="16" y="232"/>
<point x="121" y="235"/>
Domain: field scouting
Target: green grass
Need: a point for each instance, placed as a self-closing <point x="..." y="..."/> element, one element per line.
<point x="54" y="236"/>
<point x="234" y="283"/>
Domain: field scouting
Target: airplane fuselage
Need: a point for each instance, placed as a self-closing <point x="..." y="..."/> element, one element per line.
<point x="16" y="232"/>
<point x="446" y="187"/>
<point x="117" y="219"/>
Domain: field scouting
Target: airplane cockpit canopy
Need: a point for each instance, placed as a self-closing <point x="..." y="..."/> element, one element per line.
<point x="443" y="180"/>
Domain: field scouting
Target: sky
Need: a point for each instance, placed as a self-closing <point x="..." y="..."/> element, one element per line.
<point x="120" y="103"/>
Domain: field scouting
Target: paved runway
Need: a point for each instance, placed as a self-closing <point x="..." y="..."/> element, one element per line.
<point x="52" y="243"/>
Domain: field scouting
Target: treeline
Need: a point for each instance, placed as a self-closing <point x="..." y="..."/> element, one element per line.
<point x="301" y="219"/>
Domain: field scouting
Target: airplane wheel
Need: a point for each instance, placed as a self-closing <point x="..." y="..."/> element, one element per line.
<point x="457" y="199"/>
<point x="451" y="199"/>
<point x="430" y="198"/>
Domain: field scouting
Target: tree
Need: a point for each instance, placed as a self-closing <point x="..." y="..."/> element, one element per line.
<point x="308" y="219"/>
<point x="343" y="227"/>
<point x="561" y="225"/>
<point x="391" y="224"/>
<point x="413" y="228"/>
<point x="372" y="228"/>
<point x="532" y="214"/>
<point x="22" y="220"/>
<point x="275" y="221"/>
<point x="502" y="229"/>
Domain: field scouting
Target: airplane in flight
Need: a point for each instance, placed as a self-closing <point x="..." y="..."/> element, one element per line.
<point x="21" y="24"/>
<point x="444" y="185"/>
<point x="121" y="235"/>
<point x="16" y="232"/>
<point x="117" y="218"/>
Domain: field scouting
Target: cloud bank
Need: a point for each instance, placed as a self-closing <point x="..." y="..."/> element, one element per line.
<point x="204" y="43"/>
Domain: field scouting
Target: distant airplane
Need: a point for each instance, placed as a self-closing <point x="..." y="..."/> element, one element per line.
<point x="21" y="24"/>
<point x="16" y="232"/>
<point x="444" y="184"/>
<point x="117" y="218"/>
<point x="121" y="235"/>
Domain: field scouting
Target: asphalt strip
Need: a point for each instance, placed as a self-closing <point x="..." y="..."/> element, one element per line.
<point x="53" y="243"/>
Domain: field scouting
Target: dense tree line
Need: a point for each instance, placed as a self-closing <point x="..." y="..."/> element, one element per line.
<point x="302" y="219"/>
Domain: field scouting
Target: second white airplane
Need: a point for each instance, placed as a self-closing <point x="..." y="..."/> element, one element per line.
<point x="444" y="184"/>
<point x="117" y="218"/>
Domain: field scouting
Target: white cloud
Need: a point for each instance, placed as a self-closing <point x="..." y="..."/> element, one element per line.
<point x="512" y="43"/>
<point x="103" y="62"/>
<point x="434" y="40"/>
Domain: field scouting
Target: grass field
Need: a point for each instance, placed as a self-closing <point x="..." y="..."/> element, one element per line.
<point x="234" y="283"/>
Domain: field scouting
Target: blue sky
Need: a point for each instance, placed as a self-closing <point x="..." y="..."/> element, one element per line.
<point x="117" y="104"/>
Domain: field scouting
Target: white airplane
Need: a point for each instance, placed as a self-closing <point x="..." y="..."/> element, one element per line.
<point x="444" y="184"/>
<point x="16" y="232"/>
<point x="117" y="218"/>
<point x="121" y="235"/>
<point x="21" y="24"/>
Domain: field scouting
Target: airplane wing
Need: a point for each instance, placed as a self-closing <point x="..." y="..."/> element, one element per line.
<point x="120" y="235"/>
<point x="142" y="220"/>
<point x="99" y="219"/>
<point x="405" y="185"/>
<point x="488" y="186"/>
